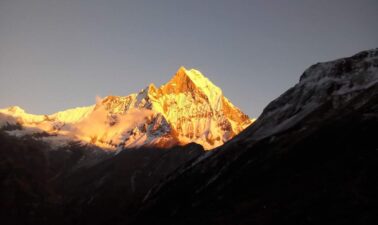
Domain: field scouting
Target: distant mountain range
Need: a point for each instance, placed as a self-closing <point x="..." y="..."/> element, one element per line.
<point x="189" y="108"/>
<point x="310" y="158"/>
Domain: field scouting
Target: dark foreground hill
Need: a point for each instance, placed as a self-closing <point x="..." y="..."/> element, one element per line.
<point x="78" y="184"/>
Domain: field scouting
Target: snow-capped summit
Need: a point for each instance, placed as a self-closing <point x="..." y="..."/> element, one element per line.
<point x="189" y="108"/>
<point x="197" y="109"/>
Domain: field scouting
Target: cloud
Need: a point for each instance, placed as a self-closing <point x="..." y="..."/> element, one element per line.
<point x="99" y="127"/>
<point x="102" y="127"/>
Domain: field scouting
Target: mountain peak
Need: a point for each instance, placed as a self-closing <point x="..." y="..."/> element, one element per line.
<point x="193" y="75"/>
<point x="180" y="76"/>
<point x="191" y="81"/>
<point x="189" y="108"/>
<point x="181" y="69"/>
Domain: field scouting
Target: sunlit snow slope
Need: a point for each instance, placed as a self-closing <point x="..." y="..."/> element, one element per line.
<point x="189" y="108"/>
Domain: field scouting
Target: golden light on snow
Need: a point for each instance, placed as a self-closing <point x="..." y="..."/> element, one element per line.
<point x="189" y="108"/>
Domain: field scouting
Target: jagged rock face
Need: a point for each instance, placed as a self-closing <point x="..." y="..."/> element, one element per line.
<point x="189" y="108"/>
<point x="197" y="109"/>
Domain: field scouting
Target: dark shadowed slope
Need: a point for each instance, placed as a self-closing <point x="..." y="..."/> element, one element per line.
<point x="78" y="184"/>
<point x="311" y="158"/>
<point x="113" y="190"/>
<point x="29" y="173"/>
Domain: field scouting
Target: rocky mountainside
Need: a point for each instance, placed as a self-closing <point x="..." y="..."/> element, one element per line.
<point x="189" y="108"/>
<point x="310" y="158"/>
